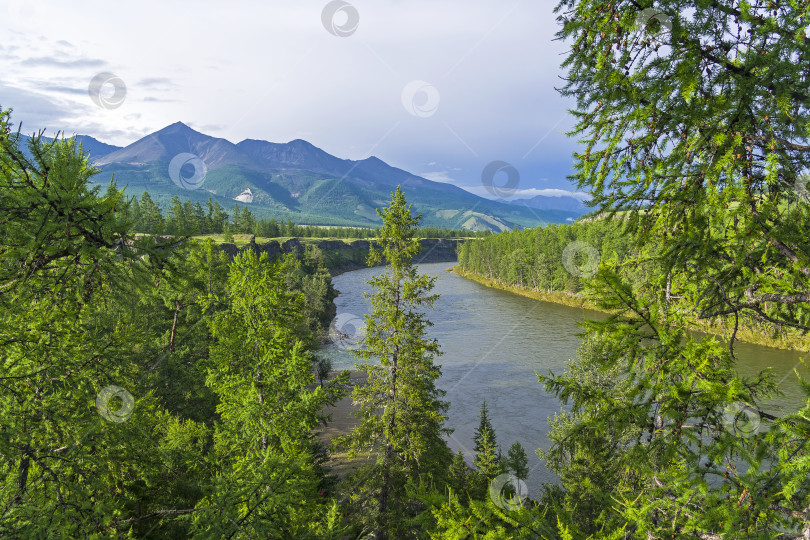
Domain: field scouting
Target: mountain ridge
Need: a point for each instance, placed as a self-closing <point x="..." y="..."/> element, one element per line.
<point x="299" y="181"/>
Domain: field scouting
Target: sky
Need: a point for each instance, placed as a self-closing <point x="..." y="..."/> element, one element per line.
<point x="440" y="89"/>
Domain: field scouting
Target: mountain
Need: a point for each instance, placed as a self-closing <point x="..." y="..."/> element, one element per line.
<point x="299" y="181"/>
<point x="94" y="148"/>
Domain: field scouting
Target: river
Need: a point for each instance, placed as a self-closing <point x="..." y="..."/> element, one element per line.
<point x="493" y="342"/>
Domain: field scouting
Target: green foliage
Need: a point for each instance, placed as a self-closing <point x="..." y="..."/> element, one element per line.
<point x="177" y="334"/>
<point x="533" y="258"/>
<point x="484" y="429"/>
<point x="458" y="478"/>
<point x="70" y="273"/>
<point x="487" y="459"/>
<point x="517" y="461"/>
<point x="400" y="408"/>
<point x="694" y="118"/>
<point x="186" y="218"/>
<point x="264" y="476"/>
<point x="460" y="519"/>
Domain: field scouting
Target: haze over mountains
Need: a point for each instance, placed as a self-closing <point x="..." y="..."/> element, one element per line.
<point x="299" y="181"/>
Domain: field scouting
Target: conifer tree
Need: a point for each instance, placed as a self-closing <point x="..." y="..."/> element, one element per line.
<point x="484" y="426"/>
<point x="487" y="460"/>
<point x="695" y="123"/>
<point x="517" y="461"/>
<point x="400" y="408"/>
<point x="265" y="483"/>
<point x="458" y="479"/>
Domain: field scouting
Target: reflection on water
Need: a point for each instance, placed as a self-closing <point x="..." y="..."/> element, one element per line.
<point x="493" y="342"/>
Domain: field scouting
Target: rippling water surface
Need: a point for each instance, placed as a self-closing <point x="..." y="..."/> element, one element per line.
<point x="493" y="342"/>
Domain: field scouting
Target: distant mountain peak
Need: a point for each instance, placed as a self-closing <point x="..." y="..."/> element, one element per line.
<point x="298" y="180"/>
<point x="179" y="127"/>
<point x="302" y="142"/>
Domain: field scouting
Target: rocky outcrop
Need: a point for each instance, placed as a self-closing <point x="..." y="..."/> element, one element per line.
<point x="438" y="250"/>
<point x="340" y="256"/>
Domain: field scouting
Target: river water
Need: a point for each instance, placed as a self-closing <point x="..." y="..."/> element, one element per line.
<point x="493" y="342"/>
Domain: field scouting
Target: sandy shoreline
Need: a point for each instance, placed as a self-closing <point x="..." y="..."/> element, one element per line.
<point x="342" y="422"/>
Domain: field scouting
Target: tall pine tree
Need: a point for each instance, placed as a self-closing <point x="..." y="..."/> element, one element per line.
<point x="401" y="410"/>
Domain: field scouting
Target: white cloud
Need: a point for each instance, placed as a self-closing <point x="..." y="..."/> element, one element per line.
<point x="534" y="192"/>
<point x="529" y="193"/>
<point x="439" y="176"/>
<point x="270" y="70"/>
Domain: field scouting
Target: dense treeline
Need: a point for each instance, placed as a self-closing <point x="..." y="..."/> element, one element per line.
<point x="195" y="219"/>
<point x="534" y="258"/>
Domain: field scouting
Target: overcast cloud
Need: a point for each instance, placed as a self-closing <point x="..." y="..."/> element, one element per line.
<point x="271" y="70"/>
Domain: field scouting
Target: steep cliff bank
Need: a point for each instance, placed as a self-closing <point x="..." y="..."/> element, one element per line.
<point x="340" y="256"/>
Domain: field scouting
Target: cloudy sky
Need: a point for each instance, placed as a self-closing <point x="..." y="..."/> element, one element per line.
<point x="440" y="89"/>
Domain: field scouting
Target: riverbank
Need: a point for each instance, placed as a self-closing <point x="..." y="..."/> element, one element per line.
<point x="343" y="422"/>
<point x="747" y="334"/>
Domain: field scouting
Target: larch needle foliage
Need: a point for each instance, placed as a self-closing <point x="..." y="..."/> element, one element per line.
<point x="149" y="388"/>
<point x="693" y="117"/>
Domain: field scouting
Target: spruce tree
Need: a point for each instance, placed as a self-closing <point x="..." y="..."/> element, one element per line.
<point x="484" y="425"/>
<point x="487" y="459"/>
<point x="458" y="479"/>
<point x="517" y="461"/>
<point x="400" y="408"/>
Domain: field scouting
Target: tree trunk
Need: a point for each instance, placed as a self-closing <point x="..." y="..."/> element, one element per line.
<point x="386" y="476"/>
<point x="22" y="478"/>
<point x="174" y="325"/>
